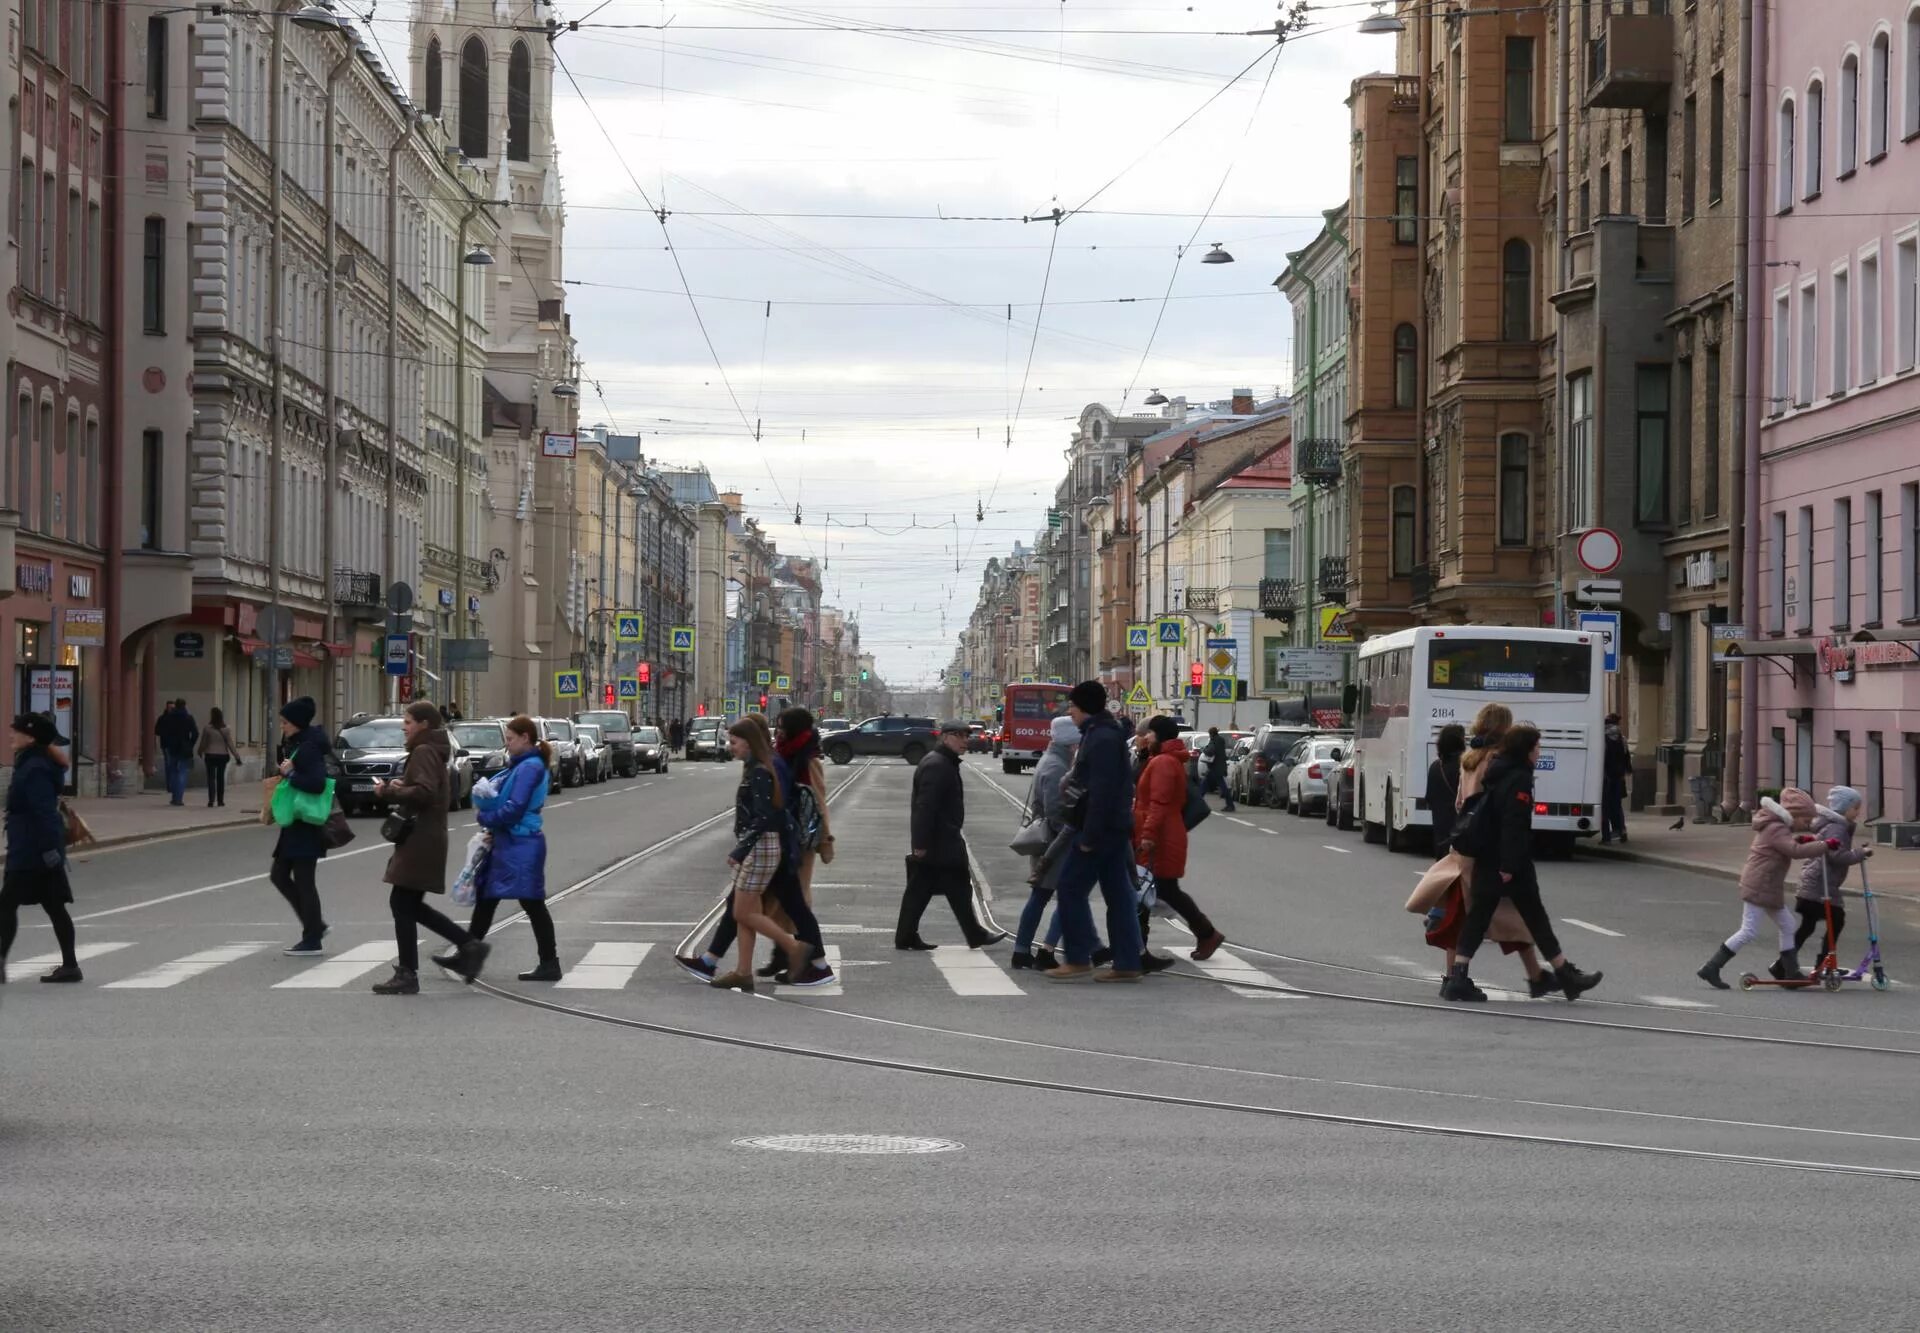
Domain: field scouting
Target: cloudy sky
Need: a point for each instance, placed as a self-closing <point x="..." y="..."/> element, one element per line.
<point x="835" y="175"/>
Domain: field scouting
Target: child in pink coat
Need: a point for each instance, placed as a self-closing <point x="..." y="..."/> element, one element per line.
<point x="1779" y="837"/>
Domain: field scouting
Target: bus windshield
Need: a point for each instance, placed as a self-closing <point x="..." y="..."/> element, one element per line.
<point x="1036" y="703"/>
<point x="1509" y="666"/>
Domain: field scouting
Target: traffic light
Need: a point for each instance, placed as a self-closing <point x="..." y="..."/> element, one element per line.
<point x="763" y="703"/>
<point x="646" y="673"/>
<point x="699" y="710"/>
<point x="609" y="695"/>
<point x="1196" y="674"/>
<point x="863" y="673"/>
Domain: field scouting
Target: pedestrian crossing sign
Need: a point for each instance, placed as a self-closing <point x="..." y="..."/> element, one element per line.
<point x="1139" y="639"/>
<point x="628" y="625"/>
<point x="1026" y="680"/>
<point x="1220" y="689"/>
<point x="730" y="707"/>
<point x="1138" y="697"/>
<point x="629" y="687"/>
<point x="682" y="639"/>
<point x="1172" y="633"/>
<point x="566" y="684"/>
<point x="783" y="683"/>
<point x="763" y="678"/>
<point x="836" y="696"/>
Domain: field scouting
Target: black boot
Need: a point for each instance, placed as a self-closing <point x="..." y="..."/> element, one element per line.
<point x="1574" y="982"/>
<point x="1711" y="972"/>
<point x="548" y="970"/>
<point x="466" y="960"/>
<point x="1459" y="987"/>
<point x="1787" y="966"/>
<point x="1545" y="984"/>
<point x="404" y="981"/>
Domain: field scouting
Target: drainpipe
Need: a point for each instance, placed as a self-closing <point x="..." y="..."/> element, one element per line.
<point x="1748" y="185"/>
<point x="390" y="536"/>
<point x="455" y="686"/>
<point x="114" y="448"/>
<point x="336" y="682"/>
<point x="1423" y="209"/>
<point x="1563" y="133"/>
<point x="276" y="333"/>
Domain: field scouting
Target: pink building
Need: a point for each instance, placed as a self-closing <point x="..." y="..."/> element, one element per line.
<point x="1835" y="514"/>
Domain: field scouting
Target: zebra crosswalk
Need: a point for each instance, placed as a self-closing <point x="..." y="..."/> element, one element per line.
<point x="598" y="965"/>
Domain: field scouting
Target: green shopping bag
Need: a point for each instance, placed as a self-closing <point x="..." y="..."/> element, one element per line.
<point x="292" y="806"/>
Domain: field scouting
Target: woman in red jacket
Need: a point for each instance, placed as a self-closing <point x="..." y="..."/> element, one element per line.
<point x="1160" y="828"/>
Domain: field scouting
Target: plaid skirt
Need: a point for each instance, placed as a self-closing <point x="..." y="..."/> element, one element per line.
<point x="756" y="872"/>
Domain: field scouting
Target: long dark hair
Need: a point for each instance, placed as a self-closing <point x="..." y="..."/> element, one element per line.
<point x="795" y="723"/>
<point x="526" y="726"/>
<point x="1452" y="742"/>
<point x="216" y="718"/>
<point x="422" y="711"/>
<point x="1517" y="745"/>
<point x="753" y="730"/>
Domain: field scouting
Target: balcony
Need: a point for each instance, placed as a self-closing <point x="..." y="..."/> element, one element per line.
<point x="1203" y="599"/>
<point x="1279" y="599"/>
<point x="1333" y="579"/>
<point x="1317" y="462"/>
<point x="1630" y="64"/>
<point x="358" y="593"/>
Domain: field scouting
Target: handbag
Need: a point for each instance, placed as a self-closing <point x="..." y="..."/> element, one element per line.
<point x="1196" y="809"/>
<point x="336" y="831"/>
<point x="293" y="806"/>
<point x="1146" y="893"/>
<point x="396" y="828"/>
<point x="77" y="832"/>
<point x="1032" y="839"/>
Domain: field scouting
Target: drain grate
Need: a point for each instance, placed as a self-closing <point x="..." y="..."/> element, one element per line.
<point x="856" y="1144"/>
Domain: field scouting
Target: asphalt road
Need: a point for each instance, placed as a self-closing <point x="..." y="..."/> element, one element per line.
<point x="1301" y="1136"/>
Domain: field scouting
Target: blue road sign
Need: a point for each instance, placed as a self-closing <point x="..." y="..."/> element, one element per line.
<point x="627" y="628"/>
<point x="1172" y="634"/>
<point x="682" y="641"/>
<point x="397" y="654"/>
<point x="1139" y="638"/>
<point x="1220" y="689"/>
<point x="1607" y="625"/>
<point x="566" y="684"/>
<point x="629" y="687"/>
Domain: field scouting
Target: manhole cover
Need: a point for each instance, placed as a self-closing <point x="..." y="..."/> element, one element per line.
<point x="861" y="1144"/>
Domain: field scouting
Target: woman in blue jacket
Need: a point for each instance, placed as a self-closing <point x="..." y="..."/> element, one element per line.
<point x="297" y="853"/>
<point x="37" y="842"/>
<point x="516" y="865"/>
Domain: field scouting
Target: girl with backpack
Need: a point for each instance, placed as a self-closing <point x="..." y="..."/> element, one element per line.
<point x="1499" y="836"/>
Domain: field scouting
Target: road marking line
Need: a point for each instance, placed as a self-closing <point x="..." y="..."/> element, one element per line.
<point x="1344" y="851"/>
<point x="1588" y="925"/>
<point x="341" y="969"/>
<point x="81" y="953"/>
<point x="972" y="972"/>
<point x="1398" y="961"/>
<point x="1674" y="1002"/>
<point x="1235" y="819"/>
<point x="184" y="969"/>
<point x="1226" y="966"/>
<point x="608" y="965"/>
<point x="1271" y="832"/>
<point x="828" y="991"/>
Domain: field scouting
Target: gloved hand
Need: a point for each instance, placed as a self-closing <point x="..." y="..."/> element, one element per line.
<point x="52" y="860"/>
<point x="1804" y="838"/>
<point x="1833" y="844"/>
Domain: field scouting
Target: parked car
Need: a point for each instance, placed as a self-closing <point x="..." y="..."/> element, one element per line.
<point x="1269" y="746"/>
<point x="1340" y="798"/>
<point x="823" y="725"/>
<point x="374" y="750"/>
<point x="1197" y="742"/>
<point x="568" y="771"/>
<point x="978" y="741"/>
<point x="483" y="745"/>
<point x="596" y="759"/>
<point x="909" y="738"/>
<point x="650" y="750"/>
<point x="707" y="739"/>
<point x="616" y="736"/>
<point x="1313" y="765"/>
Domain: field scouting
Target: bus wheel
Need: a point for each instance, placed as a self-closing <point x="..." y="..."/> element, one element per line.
<point x="1396" y="836"/>
<point x="1010" y="766"/>
<point x="1369" y="831"/>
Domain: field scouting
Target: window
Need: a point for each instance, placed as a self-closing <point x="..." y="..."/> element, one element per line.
<point x="73" y="509"/>
<point x="1815" y="137"/>
<point x="156" y="68"/>
<point x="1716" y="137"/>
<point x="1873" y="567"/>
<point x="1278" y="555"/>
<point x="1877" y="75"/>
<point x="1586" y="206"/>
<point x="1843" y="758"/>
<point x="1910" y="551"/>
<point x="1842" y="331"/>
<point x="1652" y="414"/>
<point x="153" y="278"/>
<point x="44" y="447"/>
<point x="1876" y="789"/>
<point x="1869" y="318"/>
<point x="433" y="74"/>
<point x="519" y="102"/>
<point x="1508" y="666"/>
<point x="1843" y="564"/>
<point x="1606" y="188"/>
<point x="1803" y="569"/>
<point x="1849" y="114"/>
<point x="1710" y="447"/>
<point x="1778" y="749"/>
<point x="1783" y="149"/>
<point x="1911" y="120"/>
<point x="1777" y="572"/>
<point x="1519" y="101"/>
<point x="1656" y="167"/>
<point x="76" y="273"/>
<point x="1579" y="475"/>
<point x="1516" y="491"/>
<point x="92" y="483"/>
<point x="150" y="486"/>
<point x="1809" y="341"/>
<point x="1682" y="450"/>
<point x="1516" y="292"/>
<point x="49" y="229"/>
<point x="1906" y="300"/>
<point x="95" y="264"/>
<point x="1403" y="531"/>
<point x="1626" y="181"/>
<point x="1406" y="348"/>
<point x="1689" y="157"/>
<point x="473" y="99"/>
<point x="1406" y="199"/>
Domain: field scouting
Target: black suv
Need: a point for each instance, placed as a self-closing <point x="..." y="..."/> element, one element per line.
<point x="908" y="737"/>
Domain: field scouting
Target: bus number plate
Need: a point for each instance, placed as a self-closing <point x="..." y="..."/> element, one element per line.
<point x="1546" y="764"/>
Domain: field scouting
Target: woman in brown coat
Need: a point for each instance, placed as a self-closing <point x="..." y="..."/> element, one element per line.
<point x="418" y="865"/>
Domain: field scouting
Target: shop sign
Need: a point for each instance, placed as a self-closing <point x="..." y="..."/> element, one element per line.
<point x="1836" y="659"/>
<point x="34" y="576"/>
<point x="1703" y="571"/>
<point x="446" y="598"/>
<point x="83" y="626"/>
<point x="189" y="643"/>
<point x="1885" y="654"/>
<point x="80" y="587"/>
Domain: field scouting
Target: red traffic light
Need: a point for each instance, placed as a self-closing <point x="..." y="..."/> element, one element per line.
<point x="763" y="703"/>
<point x="646" y="673"/>
<point x="700" y="710"/>
<point x="1196" y="674"/>
<point x="609" y="695"/>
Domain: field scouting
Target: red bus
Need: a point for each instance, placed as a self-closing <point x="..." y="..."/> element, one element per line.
<point x="1026" y="723"/>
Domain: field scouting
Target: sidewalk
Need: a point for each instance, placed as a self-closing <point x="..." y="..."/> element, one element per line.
<point x="1721" y="849"/>
<point x="117" y="820"/>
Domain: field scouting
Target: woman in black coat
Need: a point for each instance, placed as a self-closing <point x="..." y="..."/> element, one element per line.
<point x="37" y="842"/>
<point x="1443" y="784"/>
<point x="296" y="856"/>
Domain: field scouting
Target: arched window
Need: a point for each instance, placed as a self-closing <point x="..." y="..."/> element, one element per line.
<point x="1877" y="76"/>
<point x="1516" y="292"/>
<point x="519" y="101"/>
<point x="433" y="76"/>
<point x="1406" y="346"/>
<point x="473" y="99"/>
<point x="1849" y="113"/>
<point x="1816" y="136"/>
<point x="1783" y="184"/>
<point x="1403" y="531"/>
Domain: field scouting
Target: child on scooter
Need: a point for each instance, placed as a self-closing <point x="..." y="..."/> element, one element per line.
<point x="1780" y="835"/>
<point x="1833" y="823"/>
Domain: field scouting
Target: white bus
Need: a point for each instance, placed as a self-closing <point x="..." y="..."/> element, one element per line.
<point x="1414" y="682"/>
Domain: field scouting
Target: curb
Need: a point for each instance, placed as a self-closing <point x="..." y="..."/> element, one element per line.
<point x="156" y="835"/>
<point x="1713" y="869"/>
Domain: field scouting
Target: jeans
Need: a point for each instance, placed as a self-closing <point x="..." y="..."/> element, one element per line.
<point x="538" y="917"/>
<point x="1112" y="868"/>
<point x="787" y="891"/>
<point x="410" y="912"/>
<point x="1217" y="781"/>
<point x="177" y="767"/>
<point x="294" y="879"/>
<point x="1524" y="890"/>
<point x="216" y="778"/>
<point x="1613" y="808"/>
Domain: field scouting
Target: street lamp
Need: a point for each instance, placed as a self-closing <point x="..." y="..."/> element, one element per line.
<point x="1156" y="399"/>
<point x="1217" y="255"/>
<point x="1380" y="23"/>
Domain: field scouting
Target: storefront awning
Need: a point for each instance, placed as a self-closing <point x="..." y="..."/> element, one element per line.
<point x="1899" y="634"/>
<point x="1773" y="648"/>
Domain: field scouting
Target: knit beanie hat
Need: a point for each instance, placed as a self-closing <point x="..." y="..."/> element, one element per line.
<point x="301" y="711"/>
<point x="1163" y="727"/>
<point x="1841" y="799"/>
<point x="1089" y="696"/>
<point x="1797" y="803"/>
<point x="1064" y="732"/>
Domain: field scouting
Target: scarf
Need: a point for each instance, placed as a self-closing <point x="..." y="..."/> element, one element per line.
<point x="792" y="748"/>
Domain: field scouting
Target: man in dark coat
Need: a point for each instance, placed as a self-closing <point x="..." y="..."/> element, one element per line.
<point x="1215" y="759"/>
<point x="177" y="733"/>
<point x="36" y="869"/>
<point x="938" y="862"/>
<point x="1616" y="769"/>
<point x="1103" y="851"/>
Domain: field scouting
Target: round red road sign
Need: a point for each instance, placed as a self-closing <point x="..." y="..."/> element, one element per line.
<point x="1599" y="550"/>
